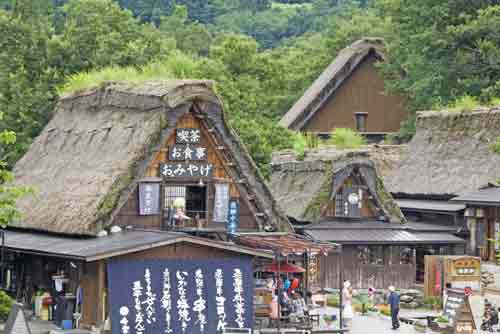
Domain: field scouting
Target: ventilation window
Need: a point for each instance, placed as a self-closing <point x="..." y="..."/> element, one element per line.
<point x="361" y="121"/>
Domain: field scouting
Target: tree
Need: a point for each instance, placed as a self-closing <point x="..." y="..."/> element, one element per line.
<point x="9" y="194"/>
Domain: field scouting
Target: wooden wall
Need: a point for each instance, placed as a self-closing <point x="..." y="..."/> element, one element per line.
<point x="363" y="91"/>
<point x="360" y="275"/>
<point x="128" y="214"/>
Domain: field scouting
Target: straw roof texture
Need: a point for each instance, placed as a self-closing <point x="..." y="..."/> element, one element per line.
<point x="88" y="159"/>
<point x="330" y="80"/>
<point x="300" y="187"/>
<point x="449" y="155"/>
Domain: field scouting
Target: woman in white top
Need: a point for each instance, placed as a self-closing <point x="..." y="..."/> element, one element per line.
<point x="347" y="313"/>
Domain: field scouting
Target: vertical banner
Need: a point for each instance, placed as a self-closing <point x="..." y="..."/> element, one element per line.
<point x="180" y="296"/>
<point x="233" y="216"/>
<point x="221" y="202"/>
<point x="149" y="199"/>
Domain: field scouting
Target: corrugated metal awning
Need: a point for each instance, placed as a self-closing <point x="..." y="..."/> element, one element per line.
<point x="486" y="196"/>
<point x="92" y="249"/>
<point x="429" y="205"/>
<point x="382" y="236"/>
<point x="286" y="244"/>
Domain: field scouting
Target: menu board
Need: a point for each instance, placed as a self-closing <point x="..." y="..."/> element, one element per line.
<point x="149" y="199"/>
<point x="454" y="300"/>
<point x="221" y="202"/>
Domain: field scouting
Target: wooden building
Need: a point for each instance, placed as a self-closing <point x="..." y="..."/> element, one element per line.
<point x="449" y="158"/>
<point x="349" y="93"/>
<point x="157" y="160"/>
<point x="483" y="220"/>
<point x="339" y="197"/>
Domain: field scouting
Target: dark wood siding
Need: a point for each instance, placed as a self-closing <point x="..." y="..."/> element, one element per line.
<point x="363" y="91"/>
<point x="364" y="275"/>
<point x="128" y="214"/>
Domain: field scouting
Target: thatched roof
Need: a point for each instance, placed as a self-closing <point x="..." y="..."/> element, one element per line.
<point x="300" y="187"/>
<point x="88" y="159"/>
<point x="449" y="155"/>
<point x="330" y="80"/>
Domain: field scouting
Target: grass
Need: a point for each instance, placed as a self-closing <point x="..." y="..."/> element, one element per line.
<point x="495" y="147"/>
<point x="302" y="142"/>
<point x="463" y="103"/>
<point x="344" y="138"/>
<point x="176" y="66"/>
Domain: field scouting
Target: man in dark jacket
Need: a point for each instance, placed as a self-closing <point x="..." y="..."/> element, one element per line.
<point x="394" y="303"/>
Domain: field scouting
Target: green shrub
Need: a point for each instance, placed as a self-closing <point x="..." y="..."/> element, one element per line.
<point x="333" y="301"/>
<point x="495" y="147"/>
<point x="433" y="302"/>
<point x="5" y="305"/>
<point x="464" y="103"/>
<point x="344" y="138"/>
<point x="299" y="146"/>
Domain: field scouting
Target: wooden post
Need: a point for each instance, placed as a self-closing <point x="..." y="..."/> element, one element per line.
<point x="101" y="286"/>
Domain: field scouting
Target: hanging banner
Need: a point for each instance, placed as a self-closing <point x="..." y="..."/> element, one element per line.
<point x="233" y="219"/>
<point x="180" y="296"/>
<point x="149" y="199"/>
<point x="221" y="202"/>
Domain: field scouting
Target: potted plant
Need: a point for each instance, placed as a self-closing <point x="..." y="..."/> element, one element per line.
<point x="442" y="321"/>
<point x="329" y="319"/>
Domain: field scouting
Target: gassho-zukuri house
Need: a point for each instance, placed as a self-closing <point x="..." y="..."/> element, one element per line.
<point x="349" y="93"/>
<point x="338" y="196"/>
<point x="137" y="189"/>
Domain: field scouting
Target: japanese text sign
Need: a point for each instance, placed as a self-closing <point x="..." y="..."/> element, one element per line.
<point x="187" y="152"/>
<point x="149" y="199"/>
<point x="186" y="170"/>
<point x="187" y="136"/>
<point x="180" y="296"/>
<point x="233" y="217"/>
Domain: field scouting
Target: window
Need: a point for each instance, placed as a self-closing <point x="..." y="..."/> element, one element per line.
<point x="361" y="121"/>
<point x="371" y="255"/>
<point x="195" y="198"/>
<point x="348" y="201"/>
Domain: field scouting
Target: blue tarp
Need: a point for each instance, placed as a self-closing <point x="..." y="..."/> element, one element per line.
<point x="180" y="296"/>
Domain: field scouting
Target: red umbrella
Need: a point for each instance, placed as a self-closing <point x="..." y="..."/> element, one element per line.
<point x="283" y="268"/>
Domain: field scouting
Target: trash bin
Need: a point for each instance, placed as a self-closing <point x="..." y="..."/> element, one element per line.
<point x="67" y="324"/>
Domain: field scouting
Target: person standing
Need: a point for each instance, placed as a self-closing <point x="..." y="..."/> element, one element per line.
<point x="394" y="303"/>
<point x="347" y="313"/>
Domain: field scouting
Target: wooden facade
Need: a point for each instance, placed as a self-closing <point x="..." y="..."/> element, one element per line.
<point x="391" y="271"/>
<point x="362" y="95"/>
<point x="218" y="157"/>
<point x="484" y="225"/>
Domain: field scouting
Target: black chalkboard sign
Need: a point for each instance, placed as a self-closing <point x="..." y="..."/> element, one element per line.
<point x="454" y="301"/>
<point x="16" y="322"/>
<point x="149" y="199"/>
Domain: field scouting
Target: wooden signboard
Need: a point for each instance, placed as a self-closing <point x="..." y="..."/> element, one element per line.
<point x="464" y="323"/>
<point x="186" y="170"/>
<point x="182" y="152"/>
<point x="465" y="268"/>
<point x="16" y="322"/>
<point x="233" y="220"/>
<point x="187" y="136"/>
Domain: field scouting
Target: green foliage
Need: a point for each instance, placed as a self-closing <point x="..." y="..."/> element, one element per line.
<point x="9" y="194"/>
<point x="344" y="138"/>
<point x="495" y="147"/>
<point x="464" y="103"/>
<point x="6" y="303"/>
<point x="433" y="302"/>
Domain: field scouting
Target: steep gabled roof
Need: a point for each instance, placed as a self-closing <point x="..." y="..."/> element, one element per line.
<point x="330" y="80"/>
<point x="449" y="155"/>
<point x="88" y="159"/>
<point x="302" y="188"/>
